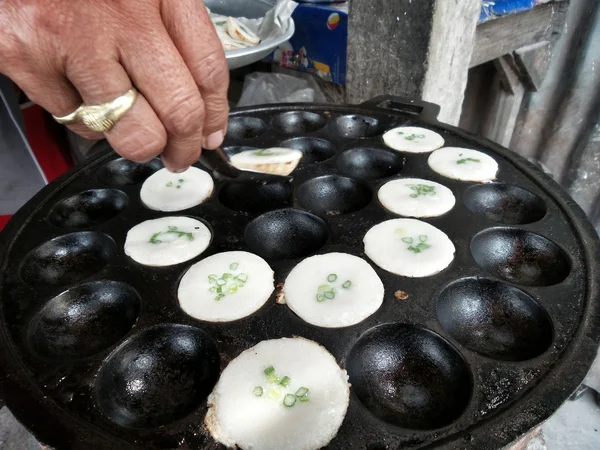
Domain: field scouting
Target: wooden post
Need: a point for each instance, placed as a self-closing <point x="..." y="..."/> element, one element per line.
<point x="416" y="49"/>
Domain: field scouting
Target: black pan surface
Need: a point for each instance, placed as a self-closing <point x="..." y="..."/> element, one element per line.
<point x="480" y="353"/>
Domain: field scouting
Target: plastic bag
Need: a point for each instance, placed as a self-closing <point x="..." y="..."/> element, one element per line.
<point x="262" y="88"/>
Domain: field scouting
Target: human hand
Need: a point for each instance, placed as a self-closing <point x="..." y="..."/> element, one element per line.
<point x="65" y="52"/>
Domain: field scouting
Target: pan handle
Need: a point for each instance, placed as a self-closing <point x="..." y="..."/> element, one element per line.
<point x="421" y="109"/>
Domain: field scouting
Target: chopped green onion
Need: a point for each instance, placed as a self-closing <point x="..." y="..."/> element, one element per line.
<point x="289" y="400"/>
<point x="302" y="392"/>
<point x="233" y="266"/>
<point x="258" y="391"/>
<point x="169" y="184"/>
<point x="181" y="180"/>
<point x="219" y="297"/>
<point x="329" y="294"/>
<point x="212" y="290"/>
<point x="420" y="136"/>
<point x="269" y="370"/>
<point x="220" y="290"/>
<point x="347" y="284"/>
<point x="320" y="298"/>
<point x="232" y="289"/>
<point x="414" y="195"/>
<point x="226" y="276"/>
<point x="408" y="240"/>
<point x="324" y="287"/>
<point x="332" y="277"/>
<point x="221" y="282"/>
<point x="423" y="237"/>
<point x="285" y="381"/>
<point x="242" y="277"/>
<point x="400" y="132"/>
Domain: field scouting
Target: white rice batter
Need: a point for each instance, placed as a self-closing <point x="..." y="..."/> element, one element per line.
<point x="275" y="160"/>
<point x="409" y="247"/>
<point x="415" y="197"/>
<point x="226" y="286"/>
<point x="282" y="394"/>
<point x="167" y="241"/>
<point x="168" y="191"/>
<point x="463" y="164"/>
<point x="333" y="290"/>
<point x="413" y="139"/>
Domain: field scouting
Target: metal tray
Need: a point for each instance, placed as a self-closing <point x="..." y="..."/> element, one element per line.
<point x="493" y="344"/>
<point x="251" y="9"/>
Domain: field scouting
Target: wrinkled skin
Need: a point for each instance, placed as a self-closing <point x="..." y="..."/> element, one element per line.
<point x="65" y="52"/>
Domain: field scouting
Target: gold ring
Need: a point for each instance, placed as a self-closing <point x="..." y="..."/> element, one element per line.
<point x="100" y="118"/>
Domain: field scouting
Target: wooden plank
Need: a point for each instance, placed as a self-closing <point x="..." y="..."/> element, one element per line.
<point x="533" y="62"/>
<point x="506" y="34"/>
<point x="506" y="97"/>
<point x="414" y="49"/>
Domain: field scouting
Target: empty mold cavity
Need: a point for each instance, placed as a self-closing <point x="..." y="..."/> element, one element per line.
<point x="409" y="376"/>
<point x="88" y="208"/>
<point x="245" y="127"/>
<point x="68" y="259"/>
<point x="158" y="376"/>
<point x="370" y="163"/>
<point x="520" y="256"/>
<point x="286" y="233"/>
<point x="299" y="122"/>
<point x="494" y="319"/>
<point x="251" y="196"/>
<point x="313" y="149"/>
<point x="332" y="195"/>
<point x="121" y="172"/>
<point x="356" y="126"/>
<point x="504" y="203"/>
<point x="83" y="320"/>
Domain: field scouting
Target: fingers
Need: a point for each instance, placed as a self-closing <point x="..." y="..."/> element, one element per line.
<point x="139" y="135"/>
<point x="193" y="33"/>
<point x="157" y="69"/>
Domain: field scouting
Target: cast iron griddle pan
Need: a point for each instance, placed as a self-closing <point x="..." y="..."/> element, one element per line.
<point x="97" y="354"/>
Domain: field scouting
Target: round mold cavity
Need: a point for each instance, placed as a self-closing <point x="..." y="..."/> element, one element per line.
<point x="245" y="127"/>
<point x="68" y="259"/>
<point x="504" y="203"/>
<point x="294" y="122"/>
<point x="520" y="256"/>
<point x="84" y="320"/>
<point x="494" y="319"/>
<point x="370" y="163"/>
<point x="158" y="376"/>
<point x="286" y="233"/>
<point x="313" y="149"/>
<point x="333" y="195"/>
<point x="357" y="126"/>
<point x="88" y="208"/>
<point x="250" y="196"/>
<point x="409" y="376"/>
<point x="121" y="172"/>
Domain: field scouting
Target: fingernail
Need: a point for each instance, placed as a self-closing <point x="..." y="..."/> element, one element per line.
<point x="214" y="140"/>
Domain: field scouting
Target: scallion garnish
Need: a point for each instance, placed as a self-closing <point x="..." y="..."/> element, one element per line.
<point x="233" y="266"/>
<point x="285" y="381"/>
<point x="289" y="400"/>
<point x="258" y="391"/>
<point x="329" y="294"/>
<point x="170" y="230"/>
<point x="269" y="370"/>
<point x="347" y="284"/>
<point x="332" y="277"/>
<point x="242" y="277"/>
<point x="181" y="180"/>
<point x="301" y="392"/>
